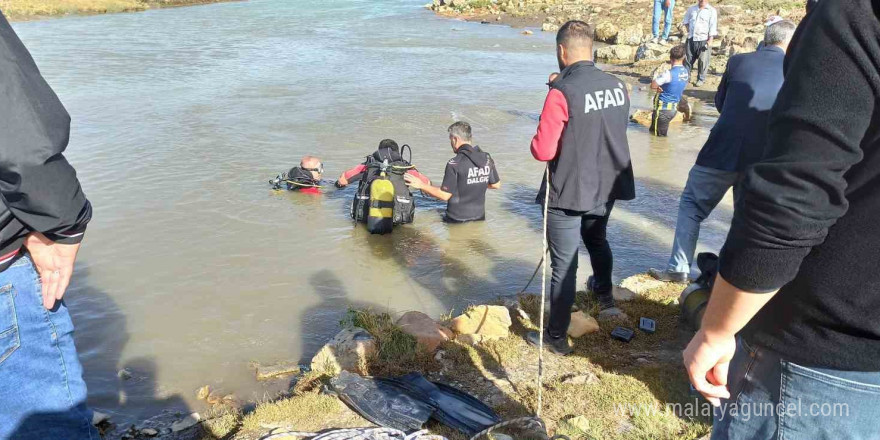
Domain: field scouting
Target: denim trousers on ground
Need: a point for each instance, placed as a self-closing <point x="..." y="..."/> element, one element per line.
<point x="661" y="11"/>
<point x="772" y="398"/>
<point x="42" y="392"/>
<point x="565" y="231"/>
<point x="703" y="191"/>
<point x="697" y="52"/>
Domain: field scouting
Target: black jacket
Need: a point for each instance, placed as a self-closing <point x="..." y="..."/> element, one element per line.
<point x="39" y="188"/>
<point x="593" y="164"/>
<point x="808" y="218"/>
<point x="745" y="96"/>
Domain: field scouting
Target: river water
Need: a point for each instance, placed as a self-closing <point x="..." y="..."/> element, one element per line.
<point x="193" y="268"/>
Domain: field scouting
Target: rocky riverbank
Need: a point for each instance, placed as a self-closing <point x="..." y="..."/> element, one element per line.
<point x="624" y="26"/>
<point x="594" y="393"/>
<point x="19" y="10"/>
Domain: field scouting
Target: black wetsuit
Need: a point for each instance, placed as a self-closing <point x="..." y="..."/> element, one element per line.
<point x="468" y="176"/>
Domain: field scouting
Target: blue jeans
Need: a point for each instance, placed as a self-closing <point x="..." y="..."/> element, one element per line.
<point x="565" y="231"/>
<point x="661" y="9"/>
<point x="42" y="392"/>
<point x="772" y="398"/>
<point x="703" y="191"/>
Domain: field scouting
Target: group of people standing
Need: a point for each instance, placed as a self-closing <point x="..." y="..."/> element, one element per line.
<point x="789" y="346"/>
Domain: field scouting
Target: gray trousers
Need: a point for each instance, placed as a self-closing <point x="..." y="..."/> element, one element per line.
<point x="700" y="52"/>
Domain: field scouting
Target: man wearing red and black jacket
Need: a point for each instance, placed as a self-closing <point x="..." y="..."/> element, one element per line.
<point x="388" y="150"/>
<point x="794" y="318"/>
<point x="43" y="217"/>
<point x="582" y="134"/>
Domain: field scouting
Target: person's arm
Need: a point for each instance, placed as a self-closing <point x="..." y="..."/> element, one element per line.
<point x="663" y="78"/>
<point x="721" y="95"/>
<point x="417" y="183"/>
<point x="687" y="22"/>
<point x="415" y="173"/>
<point x="797" y="191"/>
<point x="494" y="178"/>
<point x="37" y="184"/>
<point x="713" y="26"/>
<point x="545" y="144"/>
<point x="351" y="175"/>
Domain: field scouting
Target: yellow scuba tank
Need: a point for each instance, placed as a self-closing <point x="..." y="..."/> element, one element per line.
<point x="381" y="215"/>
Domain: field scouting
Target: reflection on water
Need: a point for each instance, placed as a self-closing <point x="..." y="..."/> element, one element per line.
<point x="193" y="267"/>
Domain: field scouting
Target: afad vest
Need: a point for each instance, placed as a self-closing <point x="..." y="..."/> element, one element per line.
<point x="593" y="164"/>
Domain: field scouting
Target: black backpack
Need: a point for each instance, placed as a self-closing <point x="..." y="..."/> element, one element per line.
<point x="404" y="202"/>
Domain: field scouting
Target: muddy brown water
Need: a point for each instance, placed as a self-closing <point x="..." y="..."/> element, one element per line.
<point x="193" y="268"/>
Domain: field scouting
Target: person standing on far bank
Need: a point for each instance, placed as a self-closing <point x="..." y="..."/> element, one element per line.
<point x="701" y="20"/>
<point x="662" y="9"/>
<point x="582" y="136"/>
<point x="468" y="175"/>
<point x="43" y="217"/>
<point x="789" y="346"/>
<point x="738" y="139"/>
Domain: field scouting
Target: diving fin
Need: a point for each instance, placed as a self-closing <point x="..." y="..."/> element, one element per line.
<point x="452" y="407"/>
<point x="382" y="402"/>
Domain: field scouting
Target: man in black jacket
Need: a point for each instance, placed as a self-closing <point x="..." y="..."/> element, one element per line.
<point x="745" y="96"/>
<point x="798" y="278"/>
<point x="582" y="134"/>
<point x="43" y="217"/>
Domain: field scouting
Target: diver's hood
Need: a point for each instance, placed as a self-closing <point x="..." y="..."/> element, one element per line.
<point x="301" y="176"/>
<point x="387" y="154"/>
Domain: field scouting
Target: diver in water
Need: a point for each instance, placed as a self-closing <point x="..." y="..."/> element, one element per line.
<point x="388" y="150"/>
<point x="305" y="178"/>
<point x="387" y="163"/>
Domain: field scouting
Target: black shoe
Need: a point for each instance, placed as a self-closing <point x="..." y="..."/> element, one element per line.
<point x="558" y="346"/>
<point x="668" y="276"/>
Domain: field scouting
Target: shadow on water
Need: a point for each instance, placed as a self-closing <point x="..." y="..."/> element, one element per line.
<point x="133" y="395"/>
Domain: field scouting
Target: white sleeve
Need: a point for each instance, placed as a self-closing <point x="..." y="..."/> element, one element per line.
<point x="713" y="23"/>
<point x="664" y="77"/>
<point x="687" y="16"/>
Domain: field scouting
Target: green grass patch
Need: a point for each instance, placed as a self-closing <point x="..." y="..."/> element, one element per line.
<point x="397" y="352"/>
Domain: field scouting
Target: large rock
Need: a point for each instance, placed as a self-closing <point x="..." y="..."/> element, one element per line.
<point x="606" y="32"/>
<point x="348" y="350"/>
<point x="266" y="372"/>
<point x="630" y="35"/>
<point x="186" y="423"/>
<point x="582" y="324"/>
<point x="490" y="322"/>
<point x="618" y="52"/>
<point x="429" y="334"/>
<point x="643" y="117"/>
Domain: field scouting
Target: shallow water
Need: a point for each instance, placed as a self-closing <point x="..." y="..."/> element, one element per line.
<point x="193" y="267"/>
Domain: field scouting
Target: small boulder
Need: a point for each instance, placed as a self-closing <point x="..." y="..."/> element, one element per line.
<point x="149" y="432"/>
<point x="203" y="392"/>
<point x="490" y="322"/>
<point x="549" y="27"/>
<point x="582" y="324"/>
<point x="527" y="32"/>
<point x="606" y="32"/>
<point x="651" y="51"/>
<point x="277" y="370"/>
<point x="124" y="374"/>
<point x="630" y="36"/>
<point x="186" y="423"/>
<point x="348" y="350"/>
<point x="618" y="52"/>
<point x="427" y="332"/>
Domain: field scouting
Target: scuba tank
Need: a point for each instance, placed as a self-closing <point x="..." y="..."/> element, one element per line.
<point x="380" y="219"/>
<point x="390" y="167"/>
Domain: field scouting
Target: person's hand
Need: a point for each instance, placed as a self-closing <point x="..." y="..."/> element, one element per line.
<point x="666" y="4"/>
<point x="342" y="182"/>
<point x="413" y="181"/>
<point x="707" y="359"/>
<point x="54" y="263"/>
